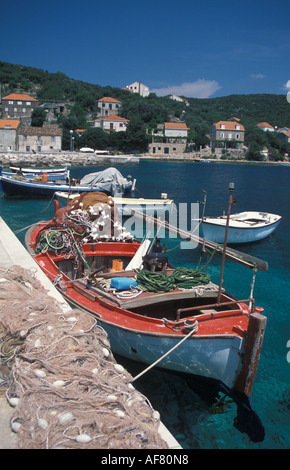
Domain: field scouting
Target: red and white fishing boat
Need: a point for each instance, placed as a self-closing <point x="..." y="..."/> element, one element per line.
<point x="174" y="319"/>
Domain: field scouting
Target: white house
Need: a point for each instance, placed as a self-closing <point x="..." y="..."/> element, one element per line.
<point x="112" y="123"/>
<point x="264" y="126"/>
<point x="175" y="129"/>
<point x="179" y="98"/>
<point x="138" y="87"/>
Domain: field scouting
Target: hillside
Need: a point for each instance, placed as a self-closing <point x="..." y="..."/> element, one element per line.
<point x="80" y="99"/>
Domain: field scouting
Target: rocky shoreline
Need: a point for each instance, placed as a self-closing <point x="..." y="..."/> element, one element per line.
<point x="67" y="158"/>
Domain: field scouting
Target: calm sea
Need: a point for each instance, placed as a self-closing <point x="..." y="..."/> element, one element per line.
<point x="257" y="187"/>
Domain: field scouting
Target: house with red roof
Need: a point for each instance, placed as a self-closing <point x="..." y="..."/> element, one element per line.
<point x="170" y="138"/>
<point x="108" y="106"/>
<point x="9" y="134"/>
<point x="227" y="134"/>
<point x="265" y="126"/>
<point x="112" y="123"/>
<point x="284" y="136"/>
<point x="175" y="129"/>
<point x="18" y="106"/>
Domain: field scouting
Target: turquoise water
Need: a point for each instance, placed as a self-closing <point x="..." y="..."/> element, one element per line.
<point x="263" y="188"/>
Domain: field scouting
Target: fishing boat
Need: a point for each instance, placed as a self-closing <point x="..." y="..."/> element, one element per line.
<point x="176" y="319"/>
<point x="127" y="206"/>
<point x="244" y="227"/>
<point x="38" y="171"/>
<point x="109" y="181"/>
<point x="38" y="174"/>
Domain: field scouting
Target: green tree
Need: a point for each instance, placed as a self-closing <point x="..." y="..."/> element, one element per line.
<point x="38" y="117"/>
<point x="135" y="137"/>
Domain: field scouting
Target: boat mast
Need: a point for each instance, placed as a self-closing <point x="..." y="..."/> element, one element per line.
<point x="231" y="189"/>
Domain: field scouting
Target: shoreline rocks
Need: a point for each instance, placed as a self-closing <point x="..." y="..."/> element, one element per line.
<point x="67" y="158"/>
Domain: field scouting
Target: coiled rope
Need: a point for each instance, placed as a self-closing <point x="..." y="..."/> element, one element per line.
<point x="181" y="278"/>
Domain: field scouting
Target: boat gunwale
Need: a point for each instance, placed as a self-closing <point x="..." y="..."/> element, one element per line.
<point x="234" y="227"/>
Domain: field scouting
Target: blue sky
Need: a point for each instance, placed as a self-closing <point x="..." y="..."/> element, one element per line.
<point x="200" y="49"/>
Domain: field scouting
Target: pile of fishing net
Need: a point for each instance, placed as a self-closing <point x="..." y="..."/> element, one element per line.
<point x="90" y="217"/>
<point x="57" y="370"/>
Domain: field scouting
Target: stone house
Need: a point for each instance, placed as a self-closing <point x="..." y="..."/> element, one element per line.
<point x="9" y="129"/>
<point x="112" y="123"/>
<point x="39" y="139"/>
<point x="172" y="140"/>
<point x="108" y="106"/>
<point x="227" y="134"/>
<point x="18" y="106"/>
<point x="138" y="87"/>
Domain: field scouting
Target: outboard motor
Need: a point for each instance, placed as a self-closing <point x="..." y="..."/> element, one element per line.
<point x="156" y="259"/>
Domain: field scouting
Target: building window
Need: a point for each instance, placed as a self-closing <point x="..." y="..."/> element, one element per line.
<point x="24" y="110"/>
<point x="10" y="102"/>
<point x="19" y="102"/>
<point x="237" y="136"/>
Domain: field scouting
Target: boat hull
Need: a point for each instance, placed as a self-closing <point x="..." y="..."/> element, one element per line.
<point x="216" y="358"/>
<point x="216" y="232"/>
<point x="34" y="188"/>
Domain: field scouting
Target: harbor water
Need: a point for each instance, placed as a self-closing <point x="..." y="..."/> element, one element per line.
<point x="259" y="188"/>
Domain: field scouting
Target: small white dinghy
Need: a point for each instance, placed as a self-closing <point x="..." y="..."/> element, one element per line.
<point x="244" y="227"/>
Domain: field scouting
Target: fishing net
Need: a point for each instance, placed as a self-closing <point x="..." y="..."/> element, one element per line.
<point x="57" y="370"/>
<point x="90" y="217"/>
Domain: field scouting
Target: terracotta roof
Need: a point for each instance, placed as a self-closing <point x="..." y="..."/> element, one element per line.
<point x="264" y="124"/>
<point x="285" y="133"/>
<point x="108" y="99"/>
<point x="229" y="125"/>
<point x="175" y="125"/>
<point x="18" y="96"/>
<point x="12" y="123"/>
<point x="112" y="118"/>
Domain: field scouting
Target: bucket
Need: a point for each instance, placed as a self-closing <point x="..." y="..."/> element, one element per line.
<point x="44" y="177"/>
<point x="117" y="265"/>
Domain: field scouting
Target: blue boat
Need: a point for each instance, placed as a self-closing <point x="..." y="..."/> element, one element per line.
<point x="109" y="181"/>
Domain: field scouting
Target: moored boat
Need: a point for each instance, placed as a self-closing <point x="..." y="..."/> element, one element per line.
<point x="38" y="174"/>
<point x="244" y="227"/>
<point x="109" y="181"/>
<point x="174" y="318"/>
<point x="127" y="206"/>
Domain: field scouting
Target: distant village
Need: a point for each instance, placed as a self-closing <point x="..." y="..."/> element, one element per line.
<point x="170" y="138"/>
